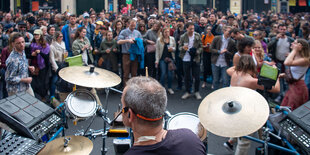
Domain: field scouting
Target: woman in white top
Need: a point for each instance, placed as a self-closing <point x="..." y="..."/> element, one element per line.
<point x="57" y="54"/>
<point x="165" y="47"/>
<point x="298" y="62"/>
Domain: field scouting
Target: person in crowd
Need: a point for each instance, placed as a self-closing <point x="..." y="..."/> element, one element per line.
<point x="126" y="38"/>
<point x="258" y="35"/>
<point x="108" y="53"/>
<point x="274" y="30"/>
<point x="28" y="37"/>
<point x="90" y="28"/>
<point x="165" y="47"/>
<point x="150" y="39"/>
<point x="179" y="63"/>
<point x="69" y="31"/>
<point x="40" y="60"/>
<point x="244" y="75"/>
<point x="81" y="45"/>
<point x="190" y="49"/>
<point x="118" y="27"/>
<point x="260" y="56"/>
<point x="222" y="50"/>
<point x="50" y="34"/>
<point x="144" y="102"/>
<point x="297" y="62"/>
<point x="58" y="22"/>
<point x="279" y="48"/>
<point x="4" y="56"/>
<point x="32" y="24"/>
<point x="7" y="20"/>
<point x="16" y="74"/>
<point x="57" y="55"/>
<point x="206" y="39"/>
<point x="244" y="46"/>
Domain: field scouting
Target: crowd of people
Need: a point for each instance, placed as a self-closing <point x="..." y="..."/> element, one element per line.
<point x="222" y="48"/>
<point x="189" y="47"/>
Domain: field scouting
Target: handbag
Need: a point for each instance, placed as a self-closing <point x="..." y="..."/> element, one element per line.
<point x="171" y="65"/>
<point x="289" y="77"/>
<point x="150" y="48"/>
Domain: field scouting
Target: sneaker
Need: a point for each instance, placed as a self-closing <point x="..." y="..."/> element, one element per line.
<point x="229" y="146"/>
<point x="186" y="95"/>
<point x="197" y="95"/>
<point x="171" y="92"/>
<point x="203" y="85"/>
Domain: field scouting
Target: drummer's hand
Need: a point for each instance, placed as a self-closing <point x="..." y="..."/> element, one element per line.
<point x="156" y="64"/>
<point x="108" y="50"/>
<point x="115" y="50"/>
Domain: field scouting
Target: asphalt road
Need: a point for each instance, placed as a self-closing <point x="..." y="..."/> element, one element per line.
<point x="175" y="105"/>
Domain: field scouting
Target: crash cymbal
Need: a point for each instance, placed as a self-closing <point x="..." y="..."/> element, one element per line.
<point x="77" y="145"/>
<point x="83" y="76"/>
<point x="233" y="112"/>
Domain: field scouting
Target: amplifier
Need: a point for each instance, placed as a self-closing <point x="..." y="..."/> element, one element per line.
<point x="297" y="126"/>
<point x="13" y="144"/>
<point x="28" y="116"/>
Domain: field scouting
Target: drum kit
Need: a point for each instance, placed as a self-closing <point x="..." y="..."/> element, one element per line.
<point x="227" y="112"/>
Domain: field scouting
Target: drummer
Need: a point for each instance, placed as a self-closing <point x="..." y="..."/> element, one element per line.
<point x="244" y="75"/>
<point x="144" y="102"/>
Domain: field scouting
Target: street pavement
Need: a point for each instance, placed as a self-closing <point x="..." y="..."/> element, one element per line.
<point x="175" y="105"/>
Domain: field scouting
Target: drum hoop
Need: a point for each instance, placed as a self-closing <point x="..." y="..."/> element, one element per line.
<point x="204" y="136"/>
<point x="70" y="107"/>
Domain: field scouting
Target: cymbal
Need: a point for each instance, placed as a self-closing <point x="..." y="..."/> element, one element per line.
<point x="233" y="112"/>
<point x="83" y="76"/>
<point x="77" y="145"/>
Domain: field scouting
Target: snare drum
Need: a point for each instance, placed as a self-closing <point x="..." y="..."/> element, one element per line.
<point x="189" y="121"/>
<point x="81" y="104"/>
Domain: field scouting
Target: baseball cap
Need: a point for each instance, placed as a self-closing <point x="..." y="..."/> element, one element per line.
<point x="85" y="15"/>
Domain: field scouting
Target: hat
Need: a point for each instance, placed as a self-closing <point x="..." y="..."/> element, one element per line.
<point x="7" y="26"/>
<point x="37" y="31"/>
<point x="99" y="22"/>
<point x="85" y="15"/>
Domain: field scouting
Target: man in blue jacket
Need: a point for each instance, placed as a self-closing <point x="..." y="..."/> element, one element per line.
<point x="68" y="32"/>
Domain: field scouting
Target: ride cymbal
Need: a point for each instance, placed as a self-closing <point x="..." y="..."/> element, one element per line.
<point x="233" y="112"/>
<point x="89" y="77"/>
<point x="77" y="145"/>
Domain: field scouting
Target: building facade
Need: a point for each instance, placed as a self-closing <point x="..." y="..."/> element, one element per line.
<point x="236" y="6"/>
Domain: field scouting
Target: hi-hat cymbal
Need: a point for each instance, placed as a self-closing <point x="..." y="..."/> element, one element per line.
<point x="77" y="145"/>
<point x="233" y="112"/>
<point x="82" y="76"/>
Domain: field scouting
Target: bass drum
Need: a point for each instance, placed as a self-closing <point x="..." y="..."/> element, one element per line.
<point x="189" y="121"/>
<point x="81" y="104"/>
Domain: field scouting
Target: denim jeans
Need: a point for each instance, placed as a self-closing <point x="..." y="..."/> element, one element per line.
<point x="219" y="73"/>
<point x="53" y="83"/>
<point x="191" y="69"/>
<point x="165" y="72"/>
<point x="283" y="84"/>
<point x="179" y="71"/>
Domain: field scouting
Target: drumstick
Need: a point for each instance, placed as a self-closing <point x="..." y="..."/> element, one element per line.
<point x="146" y="72"/>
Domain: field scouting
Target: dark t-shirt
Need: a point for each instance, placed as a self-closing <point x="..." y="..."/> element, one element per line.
<point x="177" y="142"/>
